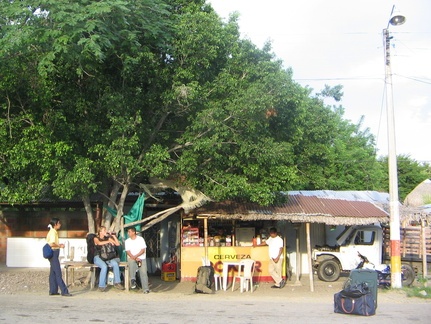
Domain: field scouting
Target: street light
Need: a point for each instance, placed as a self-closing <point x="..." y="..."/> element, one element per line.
<point x="396" y="281"/>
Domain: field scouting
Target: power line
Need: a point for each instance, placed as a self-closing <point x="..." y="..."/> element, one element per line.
<point x="414" y="79"/>
<point x="340" y="79"/>
<point x="365" y="78"/>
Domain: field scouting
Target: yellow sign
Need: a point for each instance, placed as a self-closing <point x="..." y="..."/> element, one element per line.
<point x="191" y="260"/>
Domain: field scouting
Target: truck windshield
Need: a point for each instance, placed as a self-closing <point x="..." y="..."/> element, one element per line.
<point x="343" y="233"/>
<point x="348" y="239"/>
<point x="365" y="237"/>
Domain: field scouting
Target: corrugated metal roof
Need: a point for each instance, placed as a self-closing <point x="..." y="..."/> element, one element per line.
<point x="299" y="208"/>
<point x="375" y="197"/>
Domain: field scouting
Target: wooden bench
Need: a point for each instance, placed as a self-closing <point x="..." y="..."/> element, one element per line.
<point x="70" y="267"/>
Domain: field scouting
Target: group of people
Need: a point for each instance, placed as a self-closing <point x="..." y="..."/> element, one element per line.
<point x="136" y="257"/>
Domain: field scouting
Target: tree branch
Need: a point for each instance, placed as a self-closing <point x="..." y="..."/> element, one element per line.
<point x="153" y="136"/>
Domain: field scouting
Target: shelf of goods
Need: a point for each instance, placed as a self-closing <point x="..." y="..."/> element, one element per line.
<point x="191" y="236"/>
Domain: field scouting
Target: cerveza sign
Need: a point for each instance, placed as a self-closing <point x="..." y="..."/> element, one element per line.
<point x="231" y="256"/>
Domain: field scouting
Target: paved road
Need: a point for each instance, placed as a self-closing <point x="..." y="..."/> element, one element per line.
<point x="193" y="309"/>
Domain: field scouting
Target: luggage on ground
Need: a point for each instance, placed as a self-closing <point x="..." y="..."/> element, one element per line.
<point x="204" y="280"/>
<point x="362" y="305"/>
<point x="358" y="297"/>
<point x="358" y="276"/>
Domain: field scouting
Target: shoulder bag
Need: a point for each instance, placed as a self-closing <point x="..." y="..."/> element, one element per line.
<point x="47" y="251"/>
<point x="108" y="252"/>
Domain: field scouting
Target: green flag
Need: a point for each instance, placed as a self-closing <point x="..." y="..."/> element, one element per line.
<point x="135" y="214"/>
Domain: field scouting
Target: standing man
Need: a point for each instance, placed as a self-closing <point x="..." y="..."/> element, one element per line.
<point x="275" y="249"/>
<point x="136" y="251"/>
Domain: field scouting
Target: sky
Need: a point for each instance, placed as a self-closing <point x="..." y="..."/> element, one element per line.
<point x="340" y="42"/>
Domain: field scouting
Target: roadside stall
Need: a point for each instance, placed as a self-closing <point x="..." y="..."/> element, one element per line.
<point x="224" y="233"/>
<point x="224" y="243"/>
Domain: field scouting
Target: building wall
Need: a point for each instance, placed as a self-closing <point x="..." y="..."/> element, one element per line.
<point x="33" y="224"/>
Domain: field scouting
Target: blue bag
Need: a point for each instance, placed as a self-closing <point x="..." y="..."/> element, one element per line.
<point x="47" y="251"/>
<point x="362" y="305"/>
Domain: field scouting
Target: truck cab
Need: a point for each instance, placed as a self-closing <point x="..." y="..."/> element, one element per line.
<point x="366" y="240"/>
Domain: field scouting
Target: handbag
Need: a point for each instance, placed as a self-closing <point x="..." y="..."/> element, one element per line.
<point x="355" y="290"/>
<point x="355" y="299"/>
<point x="108" y="252"/>
<point x="363" y="305"/>
<point x="47" y="251"/>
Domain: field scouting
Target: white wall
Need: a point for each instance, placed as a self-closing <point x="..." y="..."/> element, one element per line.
<point x="27" y="252"/>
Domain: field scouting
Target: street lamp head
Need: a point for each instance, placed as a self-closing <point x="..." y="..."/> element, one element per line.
<point x="397" y="20"/>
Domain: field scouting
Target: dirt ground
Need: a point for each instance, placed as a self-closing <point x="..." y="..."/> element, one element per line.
<point x="24" y="299"/>
<point x="34" y="281"/>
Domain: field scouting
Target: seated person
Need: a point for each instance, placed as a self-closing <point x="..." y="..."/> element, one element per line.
<point x="221" y="235"/>
<point x="101" y="239"/>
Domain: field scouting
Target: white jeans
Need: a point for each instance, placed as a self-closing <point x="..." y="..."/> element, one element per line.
<point x="275" y="270"/>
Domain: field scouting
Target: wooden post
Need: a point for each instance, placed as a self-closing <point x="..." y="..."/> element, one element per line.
<point x="310" y="264"/>
<point x="233" y="233"/>
<point x="122" y="233"/>
<point x="424" y="251"/>
<point x="206" y="238"/>
<point x="286" y="270"/>
<point x="298" y="257"/>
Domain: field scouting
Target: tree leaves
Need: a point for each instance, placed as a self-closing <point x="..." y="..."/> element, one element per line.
<point x="101" y="96"/>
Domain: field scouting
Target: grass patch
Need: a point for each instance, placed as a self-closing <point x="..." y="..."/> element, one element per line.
<point x="421" y="292"/>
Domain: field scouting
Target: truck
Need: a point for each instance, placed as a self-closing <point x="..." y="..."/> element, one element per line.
<point x="373" y="242"/>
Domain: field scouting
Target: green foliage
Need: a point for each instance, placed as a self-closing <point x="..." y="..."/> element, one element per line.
<point x="100" y="96"/>
<point x="421" y="279"/>
<point x="410" y="174"/>
<point x="70" y="76"/>
<point x="334" y="92"/>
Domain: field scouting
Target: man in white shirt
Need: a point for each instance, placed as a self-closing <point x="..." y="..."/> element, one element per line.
<point x="275" y="249"/>
<point x="136" y="251"/>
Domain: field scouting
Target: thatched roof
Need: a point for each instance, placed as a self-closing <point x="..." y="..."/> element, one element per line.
<point x="299" y="209"/>
<point x="419" y="196"/>
<point x="414" y="214"/>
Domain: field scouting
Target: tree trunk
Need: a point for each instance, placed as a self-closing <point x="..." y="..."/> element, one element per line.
<point x="112" y="203"/>
<point x="89" y="211"/>
<point x="116" y="224"/>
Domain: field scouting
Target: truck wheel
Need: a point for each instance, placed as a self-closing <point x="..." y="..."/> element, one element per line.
<point x="408" y="274"/>
<point x="329" y="270"/>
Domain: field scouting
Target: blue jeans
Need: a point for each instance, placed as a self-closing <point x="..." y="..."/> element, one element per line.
<point x="103" y="265"/>
<point x="55" y="279"/>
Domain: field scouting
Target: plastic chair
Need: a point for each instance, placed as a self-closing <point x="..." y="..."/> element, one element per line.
<point x="217" y="277"/>
<point x="245" y="275"/>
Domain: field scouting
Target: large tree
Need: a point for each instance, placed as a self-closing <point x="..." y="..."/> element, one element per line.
<point x="79" y="76"/>
<point x="104" y="96"/>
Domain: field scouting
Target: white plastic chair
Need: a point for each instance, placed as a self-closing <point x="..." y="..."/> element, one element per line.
<point x="245" y="275"/>
<point x="217" y="277"/>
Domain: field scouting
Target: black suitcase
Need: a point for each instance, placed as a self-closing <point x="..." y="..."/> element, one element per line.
<point x="368" y="276"/>
<point x="204" y="280"/>
<point x="363" y="305"/>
